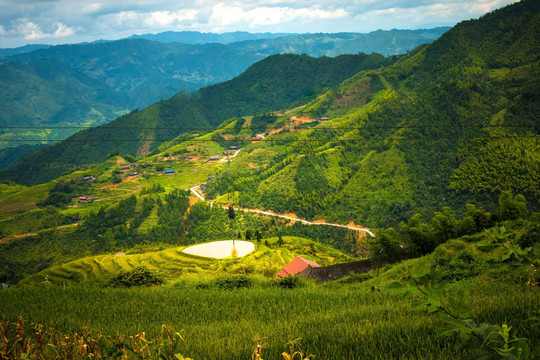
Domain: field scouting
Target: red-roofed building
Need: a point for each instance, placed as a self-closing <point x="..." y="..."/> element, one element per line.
<point x="297" y="266"/>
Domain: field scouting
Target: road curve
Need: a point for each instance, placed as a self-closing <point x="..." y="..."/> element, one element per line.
<point x="269" y="213"/>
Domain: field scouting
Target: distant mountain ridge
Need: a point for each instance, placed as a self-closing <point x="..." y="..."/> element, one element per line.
<point x="197" y="37"/>
<point x="148" y="71"/>
<point x="22" y="49"/>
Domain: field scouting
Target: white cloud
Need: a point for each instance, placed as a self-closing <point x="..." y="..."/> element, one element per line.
<point x="225" y="15"/>
<point x="124" y="18"/>
<point x="448" y="12"/>
<point x="483" y="6"/>
<point x="91" y="8"/>
<point x="62" y="31"/>
<point x="154" y="21"/>
<point x="60" y="21"/>
<point x="166" y="18"/>
<point x="31" y="31"/>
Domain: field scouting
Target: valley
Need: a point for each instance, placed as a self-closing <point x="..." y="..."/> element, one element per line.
<point x="51" y="92"/>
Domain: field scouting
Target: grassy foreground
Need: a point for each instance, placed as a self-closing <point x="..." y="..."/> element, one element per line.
<point x="335" y="321"/>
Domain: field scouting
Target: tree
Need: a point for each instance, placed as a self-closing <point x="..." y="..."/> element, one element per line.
<point x="280" y="241"/>
<point x="418" y="236"/>
<point x="512" y="207"/>
<point x="444" y="225"/>
<point x="248" y="234"/>
<point x="482" y="218"/>
<point x="129" y="158"/>
<point x="232" y="215"/>
<point x="385" y="247"/>
<point x="258" y="235"/>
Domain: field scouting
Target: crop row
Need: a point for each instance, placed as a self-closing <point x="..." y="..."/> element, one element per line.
<point x="99" y="268"/>
<point x="335" y="321"/>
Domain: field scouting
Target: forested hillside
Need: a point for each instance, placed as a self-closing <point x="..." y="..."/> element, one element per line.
<point x="47" y="93"/>
<point x="279" y="81"/>
<point x="454" y="122"/>
<point x="145" y="70"/>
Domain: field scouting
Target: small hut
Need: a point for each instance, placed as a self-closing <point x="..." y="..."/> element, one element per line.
<point x="296" y="267"/>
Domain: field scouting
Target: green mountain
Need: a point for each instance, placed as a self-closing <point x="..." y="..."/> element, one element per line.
<point x="22" y="49"/>
<point x="449" y="132"/>
<point x="152" y="70"/>
<point x="46" y="93"/>
<point x="88" y="84"/>
<point x="385" y="42"/>
<point x="454" y="122"/>
<point x="279" y="81"/>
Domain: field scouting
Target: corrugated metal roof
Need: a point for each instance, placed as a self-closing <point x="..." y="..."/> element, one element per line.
<point x="296" y="266"/>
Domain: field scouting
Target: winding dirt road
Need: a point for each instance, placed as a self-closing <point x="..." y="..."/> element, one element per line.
<point x="271" y="213"/>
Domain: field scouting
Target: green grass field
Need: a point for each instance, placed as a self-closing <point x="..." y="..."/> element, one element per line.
<point x="335" y="321"/>
<point x="358" y="317"/>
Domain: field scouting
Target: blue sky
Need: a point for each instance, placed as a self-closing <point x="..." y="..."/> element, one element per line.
<point x="70" y="21"/>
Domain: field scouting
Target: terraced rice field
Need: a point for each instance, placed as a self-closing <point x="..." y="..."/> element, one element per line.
<point x="173" y="263"/>
<point x="170" y="262"/>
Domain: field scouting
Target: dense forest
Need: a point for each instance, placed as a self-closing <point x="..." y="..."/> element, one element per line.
<point x="439" y="127"/>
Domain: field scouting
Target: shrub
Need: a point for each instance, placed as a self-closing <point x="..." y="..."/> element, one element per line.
<point x="356" y="277"/>
<point x="139" y="276"/>
<point x="288" y="282"/>
<point x="116" y="179"/>
<point x="530" y="238"/>
<point x="233" y="282"/>
<point x="460" y="265"/>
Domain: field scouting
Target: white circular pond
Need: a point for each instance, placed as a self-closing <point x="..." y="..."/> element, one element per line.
<point x="221" y="249"/>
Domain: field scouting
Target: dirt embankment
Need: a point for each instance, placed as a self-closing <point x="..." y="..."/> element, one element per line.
<point x="301" y="120"/>
<point x="353" y="225"/>
<point x="9" y="238"/>
<point x="193" y="200"/>
<point x="295" y="121"/>
<point x="20" y="236"/>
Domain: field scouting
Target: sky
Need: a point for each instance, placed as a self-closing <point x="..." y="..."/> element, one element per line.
<point x="72" y="21"/>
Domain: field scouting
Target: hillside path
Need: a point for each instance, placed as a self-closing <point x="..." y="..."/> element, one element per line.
<point x="271" y="213"/>
<point x="20" y="236"/>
